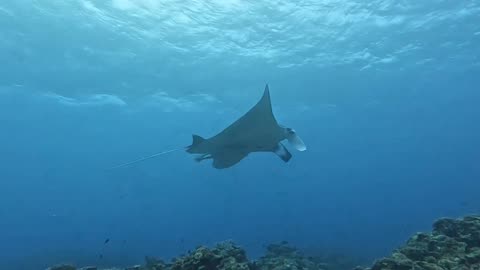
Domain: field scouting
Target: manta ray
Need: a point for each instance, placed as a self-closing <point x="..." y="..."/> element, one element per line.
<point x="256" y="131"/>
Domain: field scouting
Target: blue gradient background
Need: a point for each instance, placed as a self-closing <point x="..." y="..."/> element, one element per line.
<point x="385" y="95"/>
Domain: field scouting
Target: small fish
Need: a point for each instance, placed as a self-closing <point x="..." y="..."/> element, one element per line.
<point x="106" y="241"/>
<point x="100" y="256"/>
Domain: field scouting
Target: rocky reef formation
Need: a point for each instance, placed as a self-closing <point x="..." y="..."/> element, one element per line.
<point x="223" y="256"/>
<point x="228" y="256"/>
<point x="283" y="256"/>
<point x="453" y="244"/>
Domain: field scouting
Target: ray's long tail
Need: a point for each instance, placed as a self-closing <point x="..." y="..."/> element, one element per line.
<point x="145" y="158"/>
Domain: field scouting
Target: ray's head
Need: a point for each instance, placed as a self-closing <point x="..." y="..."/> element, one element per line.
<point x="292" y="137"/>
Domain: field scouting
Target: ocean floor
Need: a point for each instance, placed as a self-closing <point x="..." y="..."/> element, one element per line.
<point x="453" y="244"/>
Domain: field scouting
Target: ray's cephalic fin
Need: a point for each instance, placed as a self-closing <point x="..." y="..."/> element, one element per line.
<point x="282" y="152"/>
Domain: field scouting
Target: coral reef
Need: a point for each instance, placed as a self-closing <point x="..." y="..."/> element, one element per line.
<point x="63" y="267"/>
<point x="453" y="244"/>
<point x="228" y="256"/>
<point x="284" y="257"/>
<point x="223" y="256"/>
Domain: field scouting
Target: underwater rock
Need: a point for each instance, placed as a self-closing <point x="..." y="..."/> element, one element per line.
<point x="453" y="244"/>
<point x="228" y="256"/>
<point x="466" y="230"/>
<point x="62" y="267"/>
<point x="89" y="268"/>
<point x="224" y="256"/>
<point x="154" y="264"/>
<point x="284" y="257"/>
<point x="135" y="267"/>
<point x="281" y="249"/>
<point x="336" y="261"/>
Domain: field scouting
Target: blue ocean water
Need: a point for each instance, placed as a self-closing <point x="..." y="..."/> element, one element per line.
<point x="384" y="93"/>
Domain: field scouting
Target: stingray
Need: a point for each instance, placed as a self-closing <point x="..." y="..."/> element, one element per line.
<point x="256" y="131"/>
